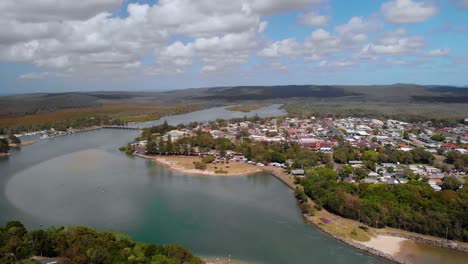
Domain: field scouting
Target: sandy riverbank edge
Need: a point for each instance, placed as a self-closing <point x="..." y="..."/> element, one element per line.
<point x="22" y="144"/>
<point x="383" y="244"/>
<point x="162" y="161"/>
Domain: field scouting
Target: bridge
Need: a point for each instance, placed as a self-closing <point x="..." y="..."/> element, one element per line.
<point x="123" y="127"/>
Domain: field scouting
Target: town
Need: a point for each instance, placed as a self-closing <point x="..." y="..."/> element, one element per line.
<point x="362" y="149"/>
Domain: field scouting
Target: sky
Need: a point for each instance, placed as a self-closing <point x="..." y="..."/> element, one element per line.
<point x="143" y="45"/>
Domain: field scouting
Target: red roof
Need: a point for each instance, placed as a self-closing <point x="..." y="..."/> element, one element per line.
<point x="450" y="146"/>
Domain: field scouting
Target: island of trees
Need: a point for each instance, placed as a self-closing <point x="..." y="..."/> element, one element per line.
<point x="82" y="245"/>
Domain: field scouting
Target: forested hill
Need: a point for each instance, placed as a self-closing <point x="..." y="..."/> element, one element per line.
<point x="84" y="245"/>
<point x="447" y="97"/>
<point x="383" y="93"/>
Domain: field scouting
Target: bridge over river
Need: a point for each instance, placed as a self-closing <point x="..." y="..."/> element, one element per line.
<point x="123" y="127"/>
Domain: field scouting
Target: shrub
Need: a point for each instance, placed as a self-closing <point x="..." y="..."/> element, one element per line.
<point x="208" y="159"/>
<point x="200" y="166"/>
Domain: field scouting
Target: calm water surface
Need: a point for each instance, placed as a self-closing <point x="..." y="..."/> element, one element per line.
<point x="82" y="179"/>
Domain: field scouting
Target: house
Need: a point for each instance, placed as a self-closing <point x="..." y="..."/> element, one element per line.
<point x="370" y="180"/>
<point x="298" y="172"/>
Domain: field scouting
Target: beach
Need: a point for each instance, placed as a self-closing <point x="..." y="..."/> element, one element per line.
<point x="390" y="245"/>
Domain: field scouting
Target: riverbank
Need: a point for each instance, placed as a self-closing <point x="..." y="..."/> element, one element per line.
<point x="386" y="243"/>
<point x="222" y="261"/>
<point x="185" y="164"/>
<point x="22" y="144"/>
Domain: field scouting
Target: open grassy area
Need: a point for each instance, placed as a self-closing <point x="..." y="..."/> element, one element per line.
<point x="341" y="227"/>
<point x="186" y="163"/>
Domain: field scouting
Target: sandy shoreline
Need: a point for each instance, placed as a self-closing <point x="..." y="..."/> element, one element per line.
<point x="390" y="245"/>
<point x="174" y="166"/>
<point x="22" y="144"/>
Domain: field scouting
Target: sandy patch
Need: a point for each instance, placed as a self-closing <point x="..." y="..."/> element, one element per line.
<point x="386" y="244"/>
<point x="185" y="165"/>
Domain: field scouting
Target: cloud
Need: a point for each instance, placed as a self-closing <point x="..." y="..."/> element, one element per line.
<point x="284" y="48"/>
<point x="439" y="52"/>
<point x="83" y="36"/>
<point x="313" y="19"/>
<point x="357" y="28"/>
<point x="408" y="11"/>
<point x="216" y="53"/>
<point x="336" y="64"/>
<point x="276" y="65"/>
<point x="394" y="43"/>
<point x="40" y="75"/>
<point x="461" y="3"/>
<point x="54" y="10"/>
<point x="87" y="38"/>
<point x="269" y="7"/>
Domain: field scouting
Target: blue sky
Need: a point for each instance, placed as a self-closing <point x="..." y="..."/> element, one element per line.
<point x="57" y="46"/>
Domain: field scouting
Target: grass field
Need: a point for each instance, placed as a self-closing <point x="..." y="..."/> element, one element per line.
<point x="186" y="163"/>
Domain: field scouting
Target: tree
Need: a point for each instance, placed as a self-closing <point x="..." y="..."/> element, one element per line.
<point x="169" y="145"/>
<point x="346" y="171"/>
<point x="451" y="183"/>
<point x="4" y="146"/>
<point x="438" y="137"/>
<point x="406" y="135"/>
<point x="161" y="145"/>
<point x="208" y="159"/>
<point x="14" y="139"/>
<point x="361" y="173"/>
<point x="152" y="147"/>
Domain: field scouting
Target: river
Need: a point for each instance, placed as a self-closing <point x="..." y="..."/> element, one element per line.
<point x="82" y="179"/>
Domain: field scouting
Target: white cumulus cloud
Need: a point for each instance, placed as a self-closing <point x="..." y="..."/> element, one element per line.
<point x="439" y="52"/>
<point x="408" y="11"/>
<point x="313" y="19"/>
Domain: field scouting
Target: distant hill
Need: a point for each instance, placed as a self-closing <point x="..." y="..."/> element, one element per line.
<point x="383" y="93"/>
<point x="26" y="104"/>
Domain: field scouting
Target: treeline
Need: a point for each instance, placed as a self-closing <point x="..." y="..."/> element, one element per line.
<point x="388" y="154"/>
<point x="82" y="245"/>
<point x="201" y="142"/>
<point x="305" y="109"/>
<point x="414" y="207"/>
<point x="61" y="125"/>
<point x="281" y="152"/>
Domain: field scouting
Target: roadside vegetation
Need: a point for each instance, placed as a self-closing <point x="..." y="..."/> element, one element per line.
<point x="84" y="245"/>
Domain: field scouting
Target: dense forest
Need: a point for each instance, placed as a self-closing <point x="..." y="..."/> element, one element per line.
<point x="82" y="245"/>
<point x="414" y="206"/>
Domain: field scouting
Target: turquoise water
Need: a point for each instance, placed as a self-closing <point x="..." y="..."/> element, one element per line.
<point x="82" y="179"/>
